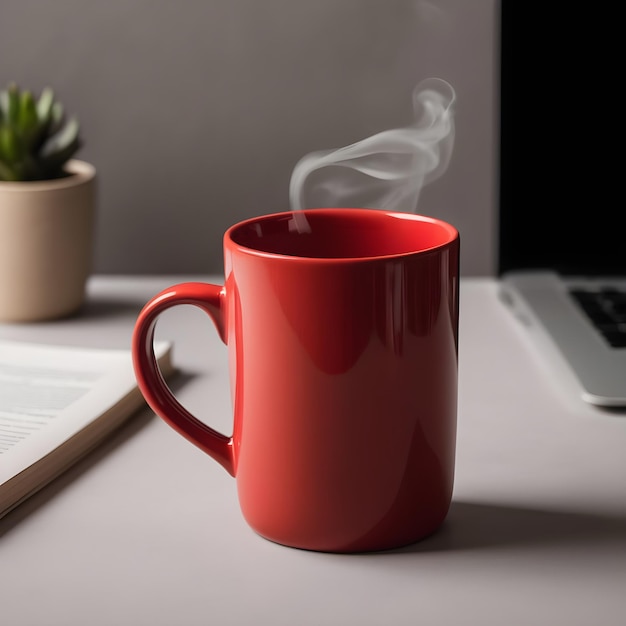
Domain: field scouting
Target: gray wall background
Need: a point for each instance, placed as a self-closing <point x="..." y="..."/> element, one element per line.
<point x="195" y="112"/>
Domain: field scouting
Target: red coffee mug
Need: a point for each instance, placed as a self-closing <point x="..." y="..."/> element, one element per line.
<point x="342" y="343"/>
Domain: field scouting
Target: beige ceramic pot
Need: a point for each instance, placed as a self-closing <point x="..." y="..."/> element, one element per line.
<point x="46" y="244"/>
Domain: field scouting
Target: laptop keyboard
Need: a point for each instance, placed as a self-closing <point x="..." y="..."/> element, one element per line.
<point x="607" y="310"/>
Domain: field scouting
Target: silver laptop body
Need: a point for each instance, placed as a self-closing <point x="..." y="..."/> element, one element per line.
<point x="562" y="330"/>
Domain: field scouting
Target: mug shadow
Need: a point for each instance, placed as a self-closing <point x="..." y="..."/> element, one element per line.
<point x="137" y="422"/>
<point x="477" y="526"/>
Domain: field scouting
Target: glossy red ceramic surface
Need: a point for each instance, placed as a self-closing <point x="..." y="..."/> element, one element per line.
<point x="343" y="362"/>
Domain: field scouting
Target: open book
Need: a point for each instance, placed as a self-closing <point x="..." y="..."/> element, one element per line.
<point x="56" y="404"/>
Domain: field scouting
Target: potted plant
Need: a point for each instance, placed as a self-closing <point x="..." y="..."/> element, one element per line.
<point x="47" y="207"/>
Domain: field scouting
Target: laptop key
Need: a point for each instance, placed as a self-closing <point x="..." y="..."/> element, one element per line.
<point x="606" y="308"/>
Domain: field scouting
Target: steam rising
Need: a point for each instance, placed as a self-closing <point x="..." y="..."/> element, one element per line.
<point x="385" y="171"/>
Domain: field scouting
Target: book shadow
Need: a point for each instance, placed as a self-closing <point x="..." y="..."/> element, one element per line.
<point x="131" y="427"/>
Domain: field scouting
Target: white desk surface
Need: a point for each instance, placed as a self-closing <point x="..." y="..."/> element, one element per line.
<point x="147" y="530"/>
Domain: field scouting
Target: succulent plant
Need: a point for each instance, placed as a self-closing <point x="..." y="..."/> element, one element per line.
<point x="36" y="141"/>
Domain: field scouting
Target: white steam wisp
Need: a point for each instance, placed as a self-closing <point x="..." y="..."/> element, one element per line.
<point x="385" y="171"/>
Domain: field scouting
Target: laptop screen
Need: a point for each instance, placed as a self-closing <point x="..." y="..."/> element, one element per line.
<point x="561" y="175"/>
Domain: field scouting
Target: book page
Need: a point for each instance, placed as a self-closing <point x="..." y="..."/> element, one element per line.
<point x="49" y="393"/>
<point x="31" y="398"/>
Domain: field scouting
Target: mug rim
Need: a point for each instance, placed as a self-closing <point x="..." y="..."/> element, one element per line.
<point x="451" y="232"/>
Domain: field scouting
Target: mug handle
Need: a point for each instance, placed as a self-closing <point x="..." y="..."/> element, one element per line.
<point x="209" y="298"/>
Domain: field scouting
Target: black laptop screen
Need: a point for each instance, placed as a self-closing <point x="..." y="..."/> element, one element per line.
<point x="561" y="124"/>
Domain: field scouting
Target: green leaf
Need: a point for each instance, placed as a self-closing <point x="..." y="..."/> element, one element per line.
<point x="13" y="104"/>
<point x="44" y="105"/>
<point x="9" y="145"/>
<point x="28" y="121"/>
<point x="56" y="118"/>
<point x="64" y="138"/>
<point x="4" y="103"/>
<point x="60" y="148"/>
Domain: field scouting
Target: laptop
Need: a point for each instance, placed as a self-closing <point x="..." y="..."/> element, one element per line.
<point x="562" y="215"/>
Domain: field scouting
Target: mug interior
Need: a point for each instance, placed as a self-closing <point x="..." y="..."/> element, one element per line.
<point x="342" y="233"/>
